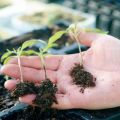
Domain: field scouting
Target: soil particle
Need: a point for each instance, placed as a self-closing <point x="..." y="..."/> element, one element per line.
<point x="81" y="77"/>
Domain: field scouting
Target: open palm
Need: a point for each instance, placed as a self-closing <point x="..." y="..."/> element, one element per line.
<point x="101" y="59"/>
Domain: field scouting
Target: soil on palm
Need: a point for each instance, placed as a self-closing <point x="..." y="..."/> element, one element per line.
<point x="81" y="77"/>
<point x="46" y="94"/>
<point x="24" y="88"/>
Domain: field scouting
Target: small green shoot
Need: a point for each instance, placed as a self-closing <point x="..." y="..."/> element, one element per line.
<point x="18" y="52"/>
<point x="74" y="32"/>
<point x="44" y="51"/>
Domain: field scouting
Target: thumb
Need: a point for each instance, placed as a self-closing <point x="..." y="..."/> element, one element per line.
<point x="86" y="38"/>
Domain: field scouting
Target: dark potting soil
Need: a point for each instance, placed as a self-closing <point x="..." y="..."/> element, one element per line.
<point x="45" y="92"/>
<point x="36" y="114"/>
<point x="24" y="88"/>
<point x="6" y="100"/>
<point x="81" y="77"/>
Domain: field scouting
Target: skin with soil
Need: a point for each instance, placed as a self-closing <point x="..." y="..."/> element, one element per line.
<point x="81" y="77"/>
<point x="45" y="92"/>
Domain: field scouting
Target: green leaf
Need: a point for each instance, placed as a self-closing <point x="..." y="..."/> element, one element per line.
<point x="43" y="42"/>
<point x="7" y="60"/>
<point x="96" y="30"/>
<point x="29" y="52"/>
<point x="5" y="55"/>
<point x="18" y="50"/>
<point x="30" y="43"/>
<point x="45" y="49"/>
<point x="56" y="36"/>
<point x="54" y="45"/>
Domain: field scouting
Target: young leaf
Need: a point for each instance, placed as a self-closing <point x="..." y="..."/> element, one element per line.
<point x="45" y="49"/>
<point x="41" y="41"/>
<point x="28" y="52"/>
<point x="7" y="60"/>
<point x="72" y="28"/>
<point x="54" y="45"/>
<point x="5" y="55"/>
<point x="30" y="43"/>
<point x="56" y="36"/>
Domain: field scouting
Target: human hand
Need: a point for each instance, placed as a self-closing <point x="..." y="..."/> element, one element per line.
<point x="101" y="60"/>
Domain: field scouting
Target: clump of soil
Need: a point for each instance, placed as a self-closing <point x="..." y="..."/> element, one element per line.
<point x="24" y="88"/>
<point x="45" y="92"/>
<point x="81" y="77"/>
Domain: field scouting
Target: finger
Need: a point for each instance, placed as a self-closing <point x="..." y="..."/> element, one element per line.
<point x="63" y="102"/>
<point x="29" y="74"/>
<point x="28" y="99"/>
<point x="87" y="38"/>
<point x="10" y="84"/>
<point x="51" y="62"/>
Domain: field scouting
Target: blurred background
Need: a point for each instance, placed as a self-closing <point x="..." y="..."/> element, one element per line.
<point x="22" y="20"/>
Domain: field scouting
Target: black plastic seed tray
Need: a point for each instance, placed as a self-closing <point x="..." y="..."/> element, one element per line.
<point x="107" y="13"/>
<point x="78" y="114"/>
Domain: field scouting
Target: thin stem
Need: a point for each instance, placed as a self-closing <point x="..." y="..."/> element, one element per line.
<point x="45" y="72"/>
<point x="80" y="52"/>
<point x="79" y="47"/>
<point x="43" y="64"/>
<point x="20" y="68"/>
